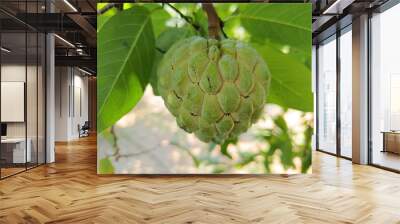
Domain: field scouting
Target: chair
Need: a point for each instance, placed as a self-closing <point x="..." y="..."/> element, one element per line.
<point x="84" y="130"/>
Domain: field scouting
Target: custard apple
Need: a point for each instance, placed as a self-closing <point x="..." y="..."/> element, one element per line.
<point x="215" y="89"/>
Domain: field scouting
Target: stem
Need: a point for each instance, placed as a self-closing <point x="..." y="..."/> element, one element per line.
<point x="115" y="142"/>
<point x="117" y="150"/>
<point x="214" y="22"/>
<point x="222" y="28"/>
<point x="109" y="6"/>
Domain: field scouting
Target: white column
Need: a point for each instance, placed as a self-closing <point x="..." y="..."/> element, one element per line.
<point x="50" y="92"/>
<point x="50" y="100"/>
<point x="314" y="90"/>
<point x="360" y="90"/>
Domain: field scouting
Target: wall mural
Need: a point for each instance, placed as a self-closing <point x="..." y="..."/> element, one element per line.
<point x="191" y="88"/>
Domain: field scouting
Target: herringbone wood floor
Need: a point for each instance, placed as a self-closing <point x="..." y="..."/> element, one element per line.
<point x="69" y="191"/>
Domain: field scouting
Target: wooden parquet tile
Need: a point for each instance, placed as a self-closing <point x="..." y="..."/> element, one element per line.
<point x="69" y="191"/>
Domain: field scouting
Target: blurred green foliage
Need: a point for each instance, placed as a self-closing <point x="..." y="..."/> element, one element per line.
<point x="105" y="166"/>
<point x="275" y="143"/>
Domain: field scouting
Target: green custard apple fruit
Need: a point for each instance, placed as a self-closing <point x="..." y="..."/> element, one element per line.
<point x="215" y="89"/>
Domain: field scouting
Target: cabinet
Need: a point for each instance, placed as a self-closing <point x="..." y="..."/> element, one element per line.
<point x="391" y="142"/>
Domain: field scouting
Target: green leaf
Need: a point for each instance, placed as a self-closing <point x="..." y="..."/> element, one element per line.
<point x="287" y="24"/>
<point x="290" y="79"/>
<point x="125" y="59"/>
<point x="218" y="169"/>
<point x="103" y="18"/>
<point x="172" y="35"/>
<point x="281" y="123"/>
<point x="232" y="27"/>
<point x="128" y="5"/>
<point x="159" y="17"/>
<point x="306" y="150"/>
<point x="154" y="77"/>
<point x="101" y="5"/>
<point x="282" y="34"/>
<point x="281" y="140"/>
<point x="200" y="18"/>
<point x="225" y="10"/>
<point x="224" y="150"/>
<point x="245" y="159"/>
<point x="224" y="147"/>
<point x="105" y="166"/>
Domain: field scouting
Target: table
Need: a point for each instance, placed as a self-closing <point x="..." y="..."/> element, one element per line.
<point x="391" y="141"/>
<point x="19" y="155"/>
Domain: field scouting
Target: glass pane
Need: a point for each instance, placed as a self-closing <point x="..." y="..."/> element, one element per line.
<point x="22" y="88"/>
<point x="14" y="153"/>
<point x="385" y="114"/>
<point x="31" y="97"/>
<point x="346" y="94"/>
<point x="41" y="99"/>
<point x="327" y="96"/>
<point x="314" y="77"/>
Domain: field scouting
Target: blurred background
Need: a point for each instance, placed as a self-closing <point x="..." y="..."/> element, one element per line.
<point x="148" y="140"/>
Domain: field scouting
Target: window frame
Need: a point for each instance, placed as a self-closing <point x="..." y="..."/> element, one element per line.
<point x="339" y="32"/>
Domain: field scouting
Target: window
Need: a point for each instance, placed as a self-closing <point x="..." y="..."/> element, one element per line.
<point x="385" y="89"/>
<point x="346" y="92"/>
<point x="22" y="77"/>
<point x="327" y="95"/>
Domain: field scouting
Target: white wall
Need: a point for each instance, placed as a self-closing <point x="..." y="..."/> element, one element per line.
<point x="80" y="110"/>
<point x="62" y="81"/>
<point x="71" y="94"/>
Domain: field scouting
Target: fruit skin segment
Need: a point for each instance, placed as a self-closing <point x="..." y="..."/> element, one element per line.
<point x="214" y="89"/>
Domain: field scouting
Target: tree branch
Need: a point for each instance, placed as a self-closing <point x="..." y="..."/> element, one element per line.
<point x="214" y="22"/>
<point x="117" y="150"/>
<point x="115" y="142"/>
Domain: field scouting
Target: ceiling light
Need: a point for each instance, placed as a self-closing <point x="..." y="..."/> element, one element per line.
<point x="333" y="6"/>
<point x="338" y="6"/>
<point x="70" y="5"/>
<point x="84" y="71"/>
<point x="5" y="50"/>
<point x="79" y="51"/>
<point x="65" y="41"/>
